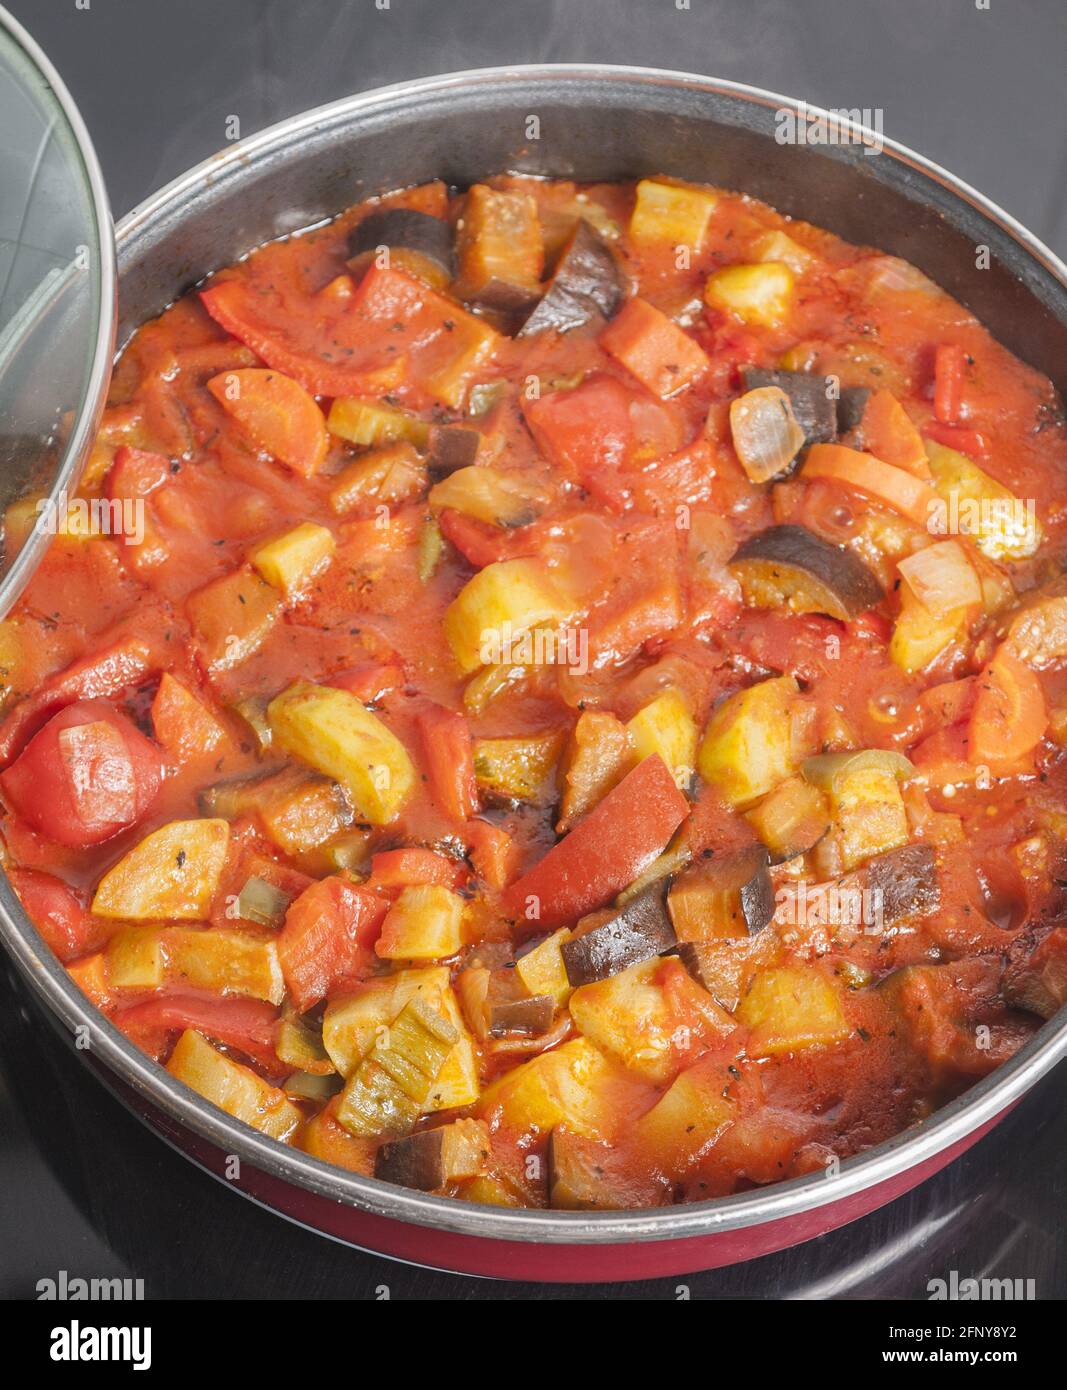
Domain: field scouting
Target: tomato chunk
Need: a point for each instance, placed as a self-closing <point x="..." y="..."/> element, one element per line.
<point x="88" y="774"/>
<point x="70" y="930"/>
<point x="605" y="851"/>
<point x="328" y="932"/>
<point x="247" y="1024"/>
<point x="449" y="754"/>
<point x="406" y="868"/>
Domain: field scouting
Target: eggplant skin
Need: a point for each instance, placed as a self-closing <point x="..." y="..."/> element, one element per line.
<point x="793" y="567"/>
<point x="404" y="229"/>
<point x="850" y="407"/>
<point x="416" y="1161"/>
<point x="526" y="1017"/>
<point x="907" y="880"/>
<point x="814" y="410"/>
<point x="585" y="283"/>
<point x="637" y="932"/>
<point x="452" y="447"/>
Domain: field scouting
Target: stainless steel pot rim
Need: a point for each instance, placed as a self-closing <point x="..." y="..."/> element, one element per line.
<point x="85" y="427"/>
<point x="949" y="1126"/>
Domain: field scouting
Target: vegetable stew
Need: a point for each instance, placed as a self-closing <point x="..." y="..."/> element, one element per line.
<point x="556" y="695"/>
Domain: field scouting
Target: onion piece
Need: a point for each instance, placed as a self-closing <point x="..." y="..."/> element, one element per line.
<point x="941" y="577"/>
<point x="765" y="432"/>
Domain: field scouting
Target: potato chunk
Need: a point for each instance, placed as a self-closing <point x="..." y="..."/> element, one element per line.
<point x="236" y="1089"/>
<point x="425" y="923"/>
<point x="791" y="1007"/>
<point x="501" y="602"/>
<point x="332" y="731"/>
<point x="172" y="874"/>
<point x="748" y="748"/>
<point x="292" y="561"/>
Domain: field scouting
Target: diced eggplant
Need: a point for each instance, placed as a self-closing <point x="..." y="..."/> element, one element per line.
<point x="452" y="447"/>
<point x="585" y="283"/>
<point x="586" y="1174"/>
<point x="1037" y="980"/>
<point x="433" y="1157"/>
<point x="729" y="895"/>
<point x="791" y="567"/>
<point x="851" y="404"/>
<point x="905" y="881"/>
<point x="639" y="930"/>
<point x="525" y="1016"/>
<point x="814" y="408"/>
<point x="415" y="240"/>
<point x="791" y="819"/>
<point x="499" y="250"/>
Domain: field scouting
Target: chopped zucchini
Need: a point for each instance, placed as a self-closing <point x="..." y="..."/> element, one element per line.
<point x="261" y="902"/>
<point x="669" y="215"/>
<point x="516" y="767"/>
<point x="299" y="1045"/>
<point x="491" y="682"/>
<point x="223" y="962"/>
<point x="666" y="726"/>
<point x="502" y="499"/>
<point x="919" y="635"/>
<point x="172" y="874"/>
<point x="777" y="246"/>
<point x="431" y="548"/>
<point x="749" y="746"/>
<point x="292" y="561"/>
<point x="373" y="423"/>
<point x="232" y="617"/>
<point x="384" y="477"/>
<point x="386" y="1092"/>
<point x="425" y="923"/>
<point x="232" y="1087"/>
<point x="631" y="1016"/>
<point x="869" y="816"/>
<point x="332" y="731"/>
<point x="542" y="970"/>
<point x="351" y="1026"/>
<point x="757" y="294"/>
<point x="789" y="1008"/>
<point x="498" y="606"/>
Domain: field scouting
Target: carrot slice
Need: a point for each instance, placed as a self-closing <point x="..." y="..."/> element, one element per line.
<point x="660" y="355"/>
<point x="886" y="483"/>
<point x="889" y="435"/>
<point x="1009" y="717"/>
<point x="276" y="414"/>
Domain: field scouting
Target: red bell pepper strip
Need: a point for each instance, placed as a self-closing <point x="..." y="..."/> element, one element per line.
<point x="368" y="681"/>
<point x="965" y="441"/>
<point x="949" y="363"/>
<point x="408" y="868"/>
<point x="88" y="774"/>
<point x="492" y="853"/>
<point x="248" y="1024"/>
<point x="328" y="933"/>
<point x="604" y="852"/>
<point x="56" y="912"/>
<point x="449" y="758"/>
<point x="126" y="658"/>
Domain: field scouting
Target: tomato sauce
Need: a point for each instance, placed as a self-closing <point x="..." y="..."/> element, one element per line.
<point x="566" y="707"/>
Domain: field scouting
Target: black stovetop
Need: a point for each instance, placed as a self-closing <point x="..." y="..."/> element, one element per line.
<point x="83" y="1186"/>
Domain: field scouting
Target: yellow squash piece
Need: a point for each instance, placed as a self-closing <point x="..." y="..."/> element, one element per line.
<point x="868" y="815"/>
<point x="749" y="744"/>
<point x="331" y="731"/>
<point x="292" y="561"/>
<point x="1003" y="526"/>
<point x="757" y="294"/>
<point x="425" y="923"/>
<point x="236" y="1089"/>
<point x="671" y="216"/>
<point x="789" y="1008"/>
<point x="688" y="1118"/>
<point x="502" y="499"/>
<point x="134" y="958"/>
<point x="173" y="874"/>
<point x="919" y="635"/>
<point x="495" y="608"/>
<point x="630" y="1016"/>
<point x="666" y="726"/>
<point x="384" y="477"/>
<point x="570" y="1085"/>
<point x="224" y="962"/>
<point x="542" y="970"/>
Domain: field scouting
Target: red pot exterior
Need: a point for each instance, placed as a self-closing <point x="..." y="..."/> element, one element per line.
<point x="528" y="1260"/>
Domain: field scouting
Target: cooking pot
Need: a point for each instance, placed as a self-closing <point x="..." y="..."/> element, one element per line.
<point x="587" y="123"/>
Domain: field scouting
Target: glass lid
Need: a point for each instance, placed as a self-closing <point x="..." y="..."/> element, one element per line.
<point x="57" y="301"/>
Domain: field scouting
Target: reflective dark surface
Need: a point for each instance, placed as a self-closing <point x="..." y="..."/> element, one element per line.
<point x="83" y="1186"/>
